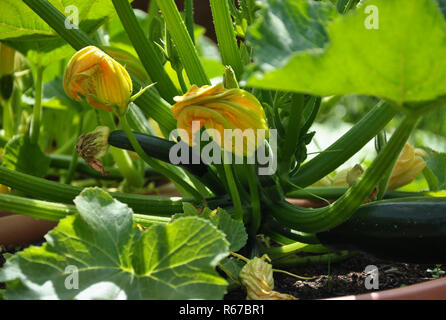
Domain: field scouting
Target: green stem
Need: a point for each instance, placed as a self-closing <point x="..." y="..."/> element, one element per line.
<point x="181" y="80"/>
<point x="185" y="47"/>
<point x="292" y="133"/>
<point x="8" y="119"/>
<point x="53" y="191"/>
<point x="316" y="193"/>
<point x="150" y="102"/>
<point x="346" y="146"/>
<point x="233" y="191"/>
<point x="317" y="259"/>
<point x="227" y="41"/>
<point x="317" y="220"/>
<point x="256" y="215"/>
<point x="37" y="110"/>
<point x="146" y="51"/>
<point x="154" y="163"/>
<point x="189" y="11"/>
<point x="73" y="164"/>
<point x="122" y="157"/>
<point x="56" y="211"/>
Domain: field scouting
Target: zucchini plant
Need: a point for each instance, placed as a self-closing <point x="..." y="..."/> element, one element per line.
<point x="103" y="104"/>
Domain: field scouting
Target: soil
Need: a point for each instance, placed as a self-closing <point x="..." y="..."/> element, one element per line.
<point x="345" y="278"/>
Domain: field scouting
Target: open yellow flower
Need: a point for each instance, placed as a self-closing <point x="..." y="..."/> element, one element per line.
<point x="103" y="81"/>
<point x="218" y="108"/>
<point x="409" y="165"/>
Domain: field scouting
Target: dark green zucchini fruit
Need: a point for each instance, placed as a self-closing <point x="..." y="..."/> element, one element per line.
<point x="405" y="230"/>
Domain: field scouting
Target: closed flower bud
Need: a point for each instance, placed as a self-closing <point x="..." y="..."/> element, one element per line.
<point x="131" y="63"/>
<point x="99" y="78"/>
<point x="92" y="146"/>
<point x="257" y="277"/>
<point x="409" y="165"/>
<point x="7" y="60"/>
<point x="217" y="108"/>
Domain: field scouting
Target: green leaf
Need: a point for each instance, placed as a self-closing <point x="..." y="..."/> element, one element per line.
<point x="232" y="267"/>
<point x="25" y="31"/>
<point x="54" y="96"/>
<point x="400" y="61"/>
<point x="233" y="229"/>
<point x="112" y="259"/>
<point x="286" y="27"/>
<point x="436" y="162"/>
<point x="23" y="156"/>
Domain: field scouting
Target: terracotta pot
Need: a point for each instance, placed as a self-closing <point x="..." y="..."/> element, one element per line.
<point x="430" y="290"/>
<point x="22" y="230"/>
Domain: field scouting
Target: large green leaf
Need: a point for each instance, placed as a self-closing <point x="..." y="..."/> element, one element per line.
<point x="400" y="61"/>
<point x="21" y="155"/>
<point x="286" y="27"/>
<point x="113" y="259"/>
<point x="24" y="30"/>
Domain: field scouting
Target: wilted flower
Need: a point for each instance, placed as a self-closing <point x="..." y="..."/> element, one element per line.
<point x="408" y="166"/>
<point x="217" y="108"/>
<point x="103" y="81"/>
<point x="257" y="277"/>
<point x="92" y="146"/>
<point x="348" y="176"/>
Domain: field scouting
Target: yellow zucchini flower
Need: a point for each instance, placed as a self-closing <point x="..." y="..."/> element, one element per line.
<point x="409" y="165"/>
<point x="103" y="81"/>
<point x="218" y="108"/>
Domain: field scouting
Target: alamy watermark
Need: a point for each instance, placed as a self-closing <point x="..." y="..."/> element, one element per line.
<point x="372" y="20"/>
<point x="372" y="279"/>
<point x="72" y="21"/>
<point x="72" y="279"/>
<point x="251" y="145"/>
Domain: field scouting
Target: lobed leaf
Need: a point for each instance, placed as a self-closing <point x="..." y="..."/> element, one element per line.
<point x="101" y="254"/>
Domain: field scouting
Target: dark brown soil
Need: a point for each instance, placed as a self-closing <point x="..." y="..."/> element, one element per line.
<point x="345" y="278"/>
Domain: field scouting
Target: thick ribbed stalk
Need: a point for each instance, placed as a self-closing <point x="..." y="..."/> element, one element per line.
<point x="346" y="146"/>
<point x="37" y="109"/>
<point x="294" y="126"/>
<point x="146" y="51"/>
<point x="55" y="211"/>
<point x="317" y="220"/>
<point x="227" y="41"/>
<point x="150" y="101"/>
<point x="52" y="191"/>
<point x="189" y="19"/>
<point x="316" y="193"/>
<point x="233" y="190"/>
<point x="185" y="47"/>
<point x="256" y="215"/>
